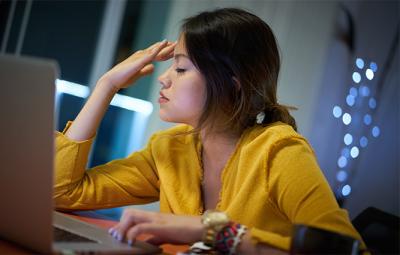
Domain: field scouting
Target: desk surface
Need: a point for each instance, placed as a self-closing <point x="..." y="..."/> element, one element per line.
<point x="90" y="217"/>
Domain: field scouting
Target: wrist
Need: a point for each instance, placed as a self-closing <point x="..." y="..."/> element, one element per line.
<point x="105" y="84"/>
<point x="213" y="222"/>
<point x="229" y="238"/>
<point x="200" y="229"/>
<point x="246" y="245"/>
<point x="221" y="234"/>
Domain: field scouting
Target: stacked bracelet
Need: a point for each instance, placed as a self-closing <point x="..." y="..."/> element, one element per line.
<point x="228" y="239"/>
<point x="220" y="234"/>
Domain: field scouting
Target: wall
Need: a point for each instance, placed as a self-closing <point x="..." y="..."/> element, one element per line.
<point x="376" y="181"/>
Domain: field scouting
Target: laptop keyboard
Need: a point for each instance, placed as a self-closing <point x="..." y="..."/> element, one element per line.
<point x="61" y="235"/>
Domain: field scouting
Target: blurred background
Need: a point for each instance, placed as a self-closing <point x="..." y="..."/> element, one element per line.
<point x="340" y="68"/>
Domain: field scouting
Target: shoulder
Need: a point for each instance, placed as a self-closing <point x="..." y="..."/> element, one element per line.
<point x="179" y="134"/>
<point x="172" y="151"/>
<point x="273" y="137"/>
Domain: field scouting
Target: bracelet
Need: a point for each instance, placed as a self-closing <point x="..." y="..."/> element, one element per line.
<point x="229" y="238"/>
<point x="213" y="222"/>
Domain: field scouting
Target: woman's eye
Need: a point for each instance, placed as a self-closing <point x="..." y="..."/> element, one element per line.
<point x="180" y="70"/>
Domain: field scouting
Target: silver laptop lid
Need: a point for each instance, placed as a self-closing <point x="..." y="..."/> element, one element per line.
<point x="26" y="150"/>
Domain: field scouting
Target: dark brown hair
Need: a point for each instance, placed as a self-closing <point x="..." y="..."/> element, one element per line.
<point x="238" y="55"/>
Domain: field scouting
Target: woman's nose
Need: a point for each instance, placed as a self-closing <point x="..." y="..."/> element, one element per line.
<point x="164" y="79"/>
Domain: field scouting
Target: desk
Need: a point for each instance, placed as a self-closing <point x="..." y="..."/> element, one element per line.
<point x="90" y="217"/>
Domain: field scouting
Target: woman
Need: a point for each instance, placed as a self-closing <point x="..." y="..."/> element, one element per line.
<point x="235" y="151"/>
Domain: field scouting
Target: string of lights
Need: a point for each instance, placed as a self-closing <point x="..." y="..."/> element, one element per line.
<point x="358" y="110"/>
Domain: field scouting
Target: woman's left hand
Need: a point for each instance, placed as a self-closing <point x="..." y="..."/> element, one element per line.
<point x="165" y="228"/>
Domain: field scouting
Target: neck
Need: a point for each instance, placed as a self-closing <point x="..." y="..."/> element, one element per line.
<point x="217" y="144"/>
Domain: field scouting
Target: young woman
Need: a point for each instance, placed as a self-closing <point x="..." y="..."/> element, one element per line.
<point x="236" y="149"/>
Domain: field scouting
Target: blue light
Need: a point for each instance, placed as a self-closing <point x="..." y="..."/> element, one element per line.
<point x="373" y="66"/>
<point x="346" y="152"/>
<point x="132" y="104"/>
<point x="350" y="100"/>
<point x="346" y="119"/>
<point x="363" y="142"/>
<point x="367" y="119"/>
<point x="356" y="77"/>
<point x="353" y="91"/>
<point x="360" y="63"/>
<point x="341" y="176"/>
<point x="364" y="91"/>
<point x="348" y="139"/>
<point x="372" y="103"/>
<point x="376" y="131"/>
<point x="346" y="190"/>
<point x="369" y="74"/>
<point x="71" y="88"/>
<point x="122" y="101"/>
<point x="354" y="152"/>
<point x="342" y="162"/>
<point x="337" y="111"/>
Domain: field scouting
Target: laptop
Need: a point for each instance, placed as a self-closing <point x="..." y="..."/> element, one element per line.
<point x="27" y="92"/>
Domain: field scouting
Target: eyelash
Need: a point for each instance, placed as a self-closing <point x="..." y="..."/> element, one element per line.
<point x="180" y="70"/>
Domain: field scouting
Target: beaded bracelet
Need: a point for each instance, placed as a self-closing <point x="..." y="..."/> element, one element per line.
<point x="229" y="238"/>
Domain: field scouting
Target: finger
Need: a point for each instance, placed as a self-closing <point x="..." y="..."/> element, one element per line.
<point x="142" y="228"/>
<point x="148" y="69"/>
<point x="166" y="53"/>
<point x="112" y="229"/>
<point x="157" y="49"/>
<point x="149" y="49"/>
<point x="149" y="56"/>
<point x="155" y="240"/>
<point x="146" y="51"/>
<point x="157" y="43"/>
<point x="171" y="55"/>
<point x="119" y="230"/>
<point x="170" y="42"/>
<point x="152" y="46"/>
<point x="129" y="218"/>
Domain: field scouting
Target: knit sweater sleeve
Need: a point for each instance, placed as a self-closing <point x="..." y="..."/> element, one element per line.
<point x="299" y="190"/>
<point x="131" y="180"/>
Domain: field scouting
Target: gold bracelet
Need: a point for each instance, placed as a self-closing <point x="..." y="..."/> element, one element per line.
<point x="213" y="221"/>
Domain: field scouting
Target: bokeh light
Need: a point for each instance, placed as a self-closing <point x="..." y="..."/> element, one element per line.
<point x="346" y="190"/>
<point x="363" y="142"/>
<point x="346" y="118"/>
<point x="356" y="77"/>
<point x="337" y="111"/>
<point x="360" y="63"/>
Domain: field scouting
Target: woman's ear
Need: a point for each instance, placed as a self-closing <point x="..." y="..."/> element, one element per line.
<point x="237" y="83"/>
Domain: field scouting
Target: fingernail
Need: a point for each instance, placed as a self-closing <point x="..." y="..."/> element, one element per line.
<point x="130" y="242"/>
<point x="115" y="234"/>
<point x="111" y="230"/>
<point x="119" y="237"/>
<point x="163" y="41"/>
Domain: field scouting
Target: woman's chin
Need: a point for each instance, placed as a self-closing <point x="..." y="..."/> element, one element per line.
<point x="174" y="118"/>
<point x="165" y="117"/>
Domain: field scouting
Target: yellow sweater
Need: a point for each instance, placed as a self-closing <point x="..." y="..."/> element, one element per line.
<point x="271" y="181"/>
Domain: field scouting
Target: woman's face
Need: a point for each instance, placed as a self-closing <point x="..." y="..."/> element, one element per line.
<point x="183" y="89"/>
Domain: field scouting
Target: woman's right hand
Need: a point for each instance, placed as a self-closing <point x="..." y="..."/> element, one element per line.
<point x="120" y="76"/>
<point x="138" y="65"/>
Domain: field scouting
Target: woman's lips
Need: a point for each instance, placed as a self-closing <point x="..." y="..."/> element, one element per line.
<point x="162" y="99"/>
